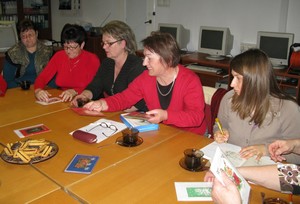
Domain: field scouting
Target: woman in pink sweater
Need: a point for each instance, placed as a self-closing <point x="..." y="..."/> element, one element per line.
<point x="172" y="93"/>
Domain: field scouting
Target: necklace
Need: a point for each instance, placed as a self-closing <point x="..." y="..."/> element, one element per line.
<point x="173" y="82"/>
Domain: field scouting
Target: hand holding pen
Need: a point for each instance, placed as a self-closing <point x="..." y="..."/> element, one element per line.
<point x="221" y="135"/>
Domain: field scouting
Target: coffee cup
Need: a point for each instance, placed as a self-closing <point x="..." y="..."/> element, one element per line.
<point x="192" y="158"/>
<point x="25" y="85"/>
<point x="82" y="101"/>
<point x="274" y="201"/>
<point x="130" y="136"/>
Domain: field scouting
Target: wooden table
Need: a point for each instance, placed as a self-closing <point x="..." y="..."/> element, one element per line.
<point x="149" y="176"/>
<point x="19" y="105"/>
<point x="142" y="174"/>
<point x="22" y="183"/>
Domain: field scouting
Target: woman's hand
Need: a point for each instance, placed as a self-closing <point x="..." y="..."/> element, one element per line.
<point x="227" y="193"/>
<point x="209" y="177"/>
<point x="80" y="100"/>
<point x="42" y="95"/>
<point x="254" y="150"/>
<point x="68" y="95"/>
<point x="157" y="115"/>
<point x="98" y="106"/>
<point x="221" y="138"/>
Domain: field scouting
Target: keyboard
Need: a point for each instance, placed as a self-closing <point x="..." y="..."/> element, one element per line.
<point x="204" y="68"/>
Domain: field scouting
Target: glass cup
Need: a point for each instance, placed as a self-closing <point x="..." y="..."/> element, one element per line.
<point x="25" y="85"/>
<point x="82" y="101"/>
<point x="130" y="136"/>
<point x="192" y="158"/>
<point x="274" y="201"/>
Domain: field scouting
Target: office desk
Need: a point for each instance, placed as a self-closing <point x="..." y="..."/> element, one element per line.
<point x="58" y="196"/>
<point x="149" y="176"/>
<point x="145" y="173"/>
<point x="21" y="183"/>
<point x="19" y="105"/>
<point x="61" y="124"/>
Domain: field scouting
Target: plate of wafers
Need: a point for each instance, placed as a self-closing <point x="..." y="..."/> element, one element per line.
<point x="29" y="151"/>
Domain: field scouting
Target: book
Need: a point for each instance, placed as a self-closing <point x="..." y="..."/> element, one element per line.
<point x="232" y="153"/>
<point x="221" y="163"/>
<point x="82" y="164"/>
<point x="31" y="130"/>
<point x="141" y="124"/>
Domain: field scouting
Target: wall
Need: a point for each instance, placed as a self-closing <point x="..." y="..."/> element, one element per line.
<point x="243" y="17"/>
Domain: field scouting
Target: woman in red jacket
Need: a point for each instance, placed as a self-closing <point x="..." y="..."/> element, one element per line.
<point x="172" y="93"/>
<point x="73" y="67"/>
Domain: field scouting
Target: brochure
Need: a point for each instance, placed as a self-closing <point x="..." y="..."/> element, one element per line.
<point x="193" y="191"/>
<point x="232" y="153"/>
<point x="221" y="163"/>
<point x="139" y="123"/>
<point x="32" y="130"/>
<point x="82" y="164"/>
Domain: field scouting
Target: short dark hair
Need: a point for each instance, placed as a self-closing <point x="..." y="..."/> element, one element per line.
<point x="165" y="45"/>
<point x="26" y="24"/>
<point x="73" y="33"/>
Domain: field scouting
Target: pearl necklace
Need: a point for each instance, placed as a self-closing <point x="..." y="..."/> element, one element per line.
<point x="173" y="82"/>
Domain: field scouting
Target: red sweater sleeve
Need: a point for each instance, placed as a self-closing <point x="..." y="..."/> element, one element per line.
<point x="3" y="86"/>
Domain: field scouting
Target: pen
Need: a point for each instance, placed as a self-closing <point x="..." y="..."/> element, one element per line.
<point x="219" y="125"/>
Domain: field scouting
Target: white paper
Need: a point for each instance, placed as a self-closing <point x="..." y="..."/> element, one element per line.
<point x="95" y="128"/>
<point x="232" y="153"/>
<point x="50" y="101"/>
<point x="221" y="163"/>
<point x="193" y="191"/>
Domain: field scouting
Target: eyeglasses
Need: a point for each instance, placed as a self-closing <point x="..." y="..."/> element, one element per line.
<point x="110" y="43"/>
<point x="105" y="125"/>
<point x="71" y="47"/>
<point x="30" y="35"/>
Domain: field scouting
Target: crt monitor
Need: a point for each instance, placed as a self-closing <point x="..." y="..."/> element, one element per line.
<point x="215" y="41"/>
<point x="8" y="35"/>
<point x="176" y="30"/>
<point x="277" y="46"/>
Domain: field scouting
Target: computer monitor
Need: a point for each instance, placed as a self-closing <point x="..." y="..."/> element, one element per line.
<point x="177" y="31"/>
<point x="8" y="35"/>
<point x="215" y="41"/>
<point x="277" y="46"/>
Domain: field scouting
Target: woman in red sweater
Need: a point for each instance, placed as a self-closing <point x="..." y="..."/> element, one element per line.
<point x="172" y="93"/>
<point x="3" y="86"/>
<point x="73" y="67"/>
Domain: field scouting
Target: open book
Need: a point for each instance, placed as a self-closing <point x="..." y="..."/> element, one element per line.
<point x="232" y="153"/>
<point x="220" y="163"/>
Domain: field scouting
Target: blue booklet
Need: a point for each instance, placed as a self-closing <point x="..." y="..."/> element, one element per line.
<point x="138" y="122"/>
<point x="82" y="164"/>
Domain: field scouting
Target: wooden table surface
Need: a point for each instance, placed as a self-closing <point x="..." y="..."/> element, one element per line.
<point x="19" y="105"/>
<point x="141" y="174"/>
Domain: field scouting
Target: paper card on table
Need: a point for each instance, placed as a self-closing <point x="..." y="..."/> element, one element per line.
<point x="82" y="164"/>
<point x="86" y="112"/>
<point x="101" y="131"/>
<point x="32" y="130"/>
<point x="232" y="153"/>
<point x="50" y="101"/>
<point x="193" y="191"/>
<point x="220" y="163"/>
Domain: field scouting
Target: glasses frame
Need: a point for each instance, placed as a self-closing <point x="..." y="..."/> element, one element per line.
<point x="71" y="47"/>
<point x="109" y="43"/>
<point x="105" y="125"/>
